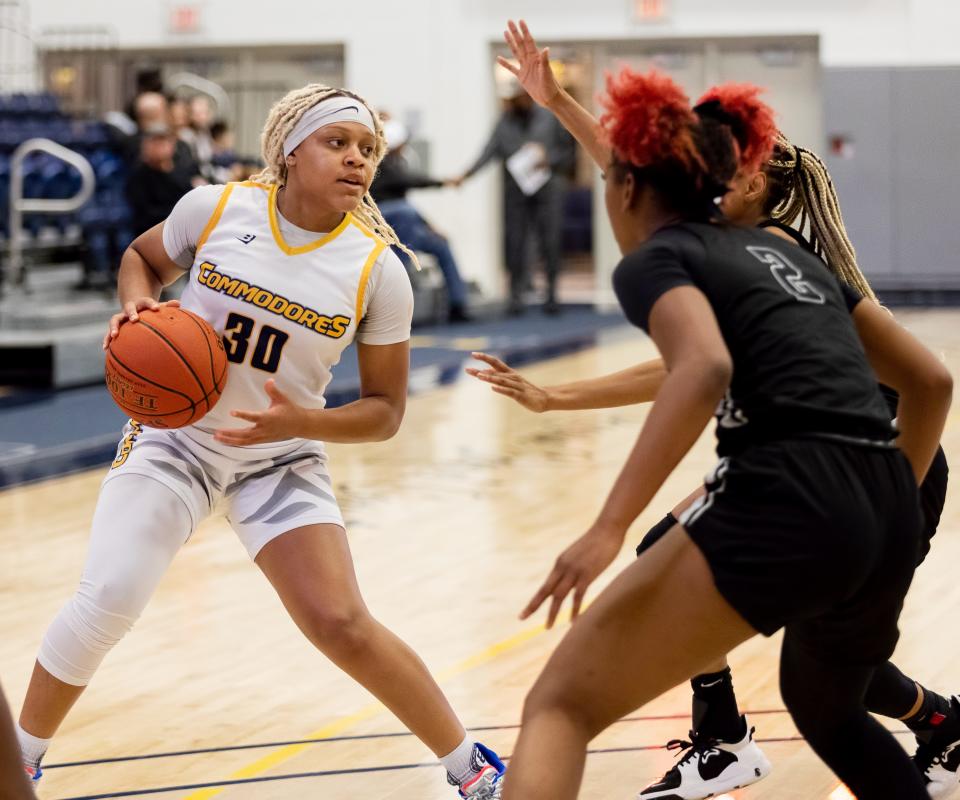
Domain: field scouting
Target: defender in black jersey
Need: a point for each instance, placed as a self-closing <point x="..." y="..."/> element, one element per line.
<point x="792" y="185"/>
<point x="800" y="382"/>
<point x="792" y="533"/>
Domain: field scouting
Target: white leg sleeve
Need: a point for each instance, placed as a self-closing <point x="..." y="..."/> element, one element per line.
<point x="138" y="527"/>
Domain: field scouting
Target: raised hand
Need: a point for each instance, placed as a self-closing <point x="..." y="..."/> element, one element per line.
<point x="283" y="420"/>
<point x="575" y="569"/>
<point x="506" y="381"/>
<point x="534" y="71"/>
<point x="131" y="313"/>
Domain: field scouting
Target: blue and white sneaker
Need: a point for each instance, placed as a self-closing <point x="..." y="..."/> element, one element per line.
<point x="33" y="773"/>
<point x="486" y="783"/>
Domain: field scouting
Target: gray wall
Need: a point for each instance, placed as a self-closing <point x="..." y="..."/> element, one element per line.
<point x="898" y="186"/>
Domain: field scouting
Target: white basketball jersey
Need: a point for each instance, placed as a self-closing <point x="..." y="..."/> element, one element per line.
<point x="284" y="312"/>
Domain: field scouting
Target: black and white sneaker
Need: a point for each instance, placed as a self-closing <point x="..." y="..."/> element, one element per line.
<point x="939" y="760"/>
<point x="709" y="767"/>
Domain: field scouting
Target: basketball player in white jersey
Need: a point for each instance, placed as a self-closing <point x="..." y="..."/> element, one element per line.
<point x="290" y="267"/>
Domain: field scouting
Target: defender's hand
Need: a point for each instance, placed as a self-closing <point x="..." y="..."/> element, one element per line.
<point x="506" y="381"/>
<point x="533" y="68"/>
<point x="576" y="568"/>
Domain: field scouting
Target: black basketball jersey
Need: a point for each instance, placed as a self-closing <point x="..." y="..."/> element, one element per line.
<point x="851" y="297"/>
<point x="799" y="366"/>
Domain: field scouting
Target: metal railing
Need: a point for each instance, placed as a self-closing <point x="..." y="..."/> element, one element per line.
<point x="20" y="205"/>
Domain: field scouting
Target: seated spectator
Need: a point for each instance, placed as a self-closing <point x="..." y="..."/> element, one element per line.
<point x="158" y="180"/>
<point x="152" y="110"/>
<point x="225" y="160"/>
<point x="389" y="190"/>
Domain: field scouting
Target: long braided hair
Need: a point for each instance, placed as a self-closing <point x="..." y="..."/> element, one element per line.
<point x="801" y="194"/>
<point x="283" y="118"/>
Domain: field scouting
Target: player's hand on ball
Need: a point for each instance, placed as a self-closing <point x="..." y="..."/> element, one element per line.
<point x="576" y="568"/>
<point x="131" y="312"/>
<point x="283" y="420"/>
<point x="506" y="381"/>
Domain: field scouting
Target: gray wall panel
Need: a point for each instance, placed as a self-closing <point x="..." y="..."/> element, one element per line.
<point x="898" y="186"/>
<point x="927" y="172"/>
<point x="858" y="106"/>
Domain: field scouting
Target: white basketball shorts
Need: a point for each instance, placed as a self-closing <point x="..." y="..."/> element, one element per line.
<point x="267" y="489"/>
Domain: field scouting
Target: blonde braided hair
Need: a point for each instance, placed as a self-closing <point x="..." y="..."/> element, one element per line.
<point x="283" y="118"/>
<point x="802" y="192"/>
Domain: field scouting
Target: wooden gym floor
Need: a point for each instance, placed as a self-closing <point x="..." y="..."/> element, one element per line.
<point x="453" y="525"/>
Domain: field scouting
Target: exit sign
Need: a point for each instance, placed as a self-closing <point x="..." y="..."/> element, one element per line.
<point x="184" y="18"/>
<point x="651" y="10"/>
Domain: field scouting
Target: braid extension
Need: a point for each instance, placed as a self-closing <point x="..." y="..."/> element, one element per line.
<point x="281" y="121"/>
<point x="803" y="195"/>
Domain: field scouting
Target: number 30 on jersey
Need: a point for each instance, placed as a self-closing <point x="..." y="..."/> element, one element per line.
<point x="267" y="349"/>
<point x="788" y="275"/>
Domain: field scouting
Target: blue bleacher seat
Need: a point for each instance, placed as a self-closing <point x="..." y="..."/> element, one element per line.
<point x="105" y="219"/>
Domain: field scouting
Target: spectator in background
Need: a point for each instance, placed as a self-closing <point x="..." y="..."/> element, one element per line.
<point x="152" y="111"/>
<point x="224" y="161"/>
<point x="197" y="134"/>
<point x="394" y="179"/>
<point x="179" y="114"/>
<point x="149" y="109"/>
<point x="158" y="180"/>
<point x="538" y="156"/>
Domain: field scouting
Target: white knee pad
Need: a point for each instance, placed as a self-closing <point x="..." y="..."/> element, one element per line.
<point x="79" y="638"/>
<point x="138" y="527"/>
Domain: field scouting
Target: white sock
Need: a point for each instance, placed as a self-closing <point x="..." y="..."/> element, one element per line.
<point x="459" y="763"/>
<point x="32" y="748"/>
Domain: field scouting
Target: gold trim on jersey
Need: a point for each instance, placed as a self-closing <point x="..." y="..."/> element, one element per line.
<point x="215" y="216"/>
<point x="304" y="248"/>
<point x="366" y="231"/>
<point x="332" y="326"/>
<point x="127" y="443"/>
<point x="378" y="248"/>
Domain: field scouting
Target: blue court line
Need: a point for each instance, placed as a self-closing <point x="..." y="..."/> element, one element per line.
<point x="367" y="770"/>
<point x="351" y="738"/>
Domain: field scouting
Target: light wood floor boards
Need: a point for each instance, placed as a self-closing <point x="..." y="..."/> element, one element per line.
<point x="453" y="524"/>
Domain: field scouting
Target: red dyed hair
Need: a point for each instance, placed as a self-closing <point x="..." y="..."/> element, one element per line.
<point x="758" y="131"/>
<point x="648" y="120"/>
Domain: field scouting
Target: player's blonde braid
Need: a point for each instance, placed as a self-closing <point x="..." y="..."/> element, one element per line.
<point x="283" y="118"/>
<point x="801" y="189"/>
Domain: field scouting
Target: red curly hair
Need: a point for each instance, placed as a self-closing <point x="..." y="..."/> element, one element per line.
<point x="648" y="120"/>
<point x="755" y="130"/>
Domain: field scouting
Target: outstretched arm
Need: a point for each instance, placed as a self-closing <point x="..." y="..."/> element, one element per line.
<point x="637" y="384"/>
<point x="537" y="78"/>
<point x="686" y="332"/>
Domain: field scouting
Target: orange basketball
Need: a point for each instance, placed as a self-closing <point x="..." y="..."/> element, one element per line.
<point x="168" y="369"/>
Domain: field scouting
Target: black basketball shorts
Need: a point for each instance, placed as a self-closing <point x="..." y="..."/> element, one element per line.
<point x="933" y="495"/>
<point x="817" y="537"/>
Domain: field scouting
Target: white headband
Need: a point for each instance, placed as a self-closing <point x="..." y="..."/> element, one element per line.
<point x="327" y="112"/>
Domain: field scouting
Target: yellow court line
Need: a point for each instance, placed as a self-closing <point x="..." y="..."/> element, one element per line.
<point x="277" y="757"/>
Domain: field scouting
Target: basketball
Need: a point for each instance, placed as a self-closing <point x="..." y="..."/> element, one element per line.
<point x="168" y="369"/>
